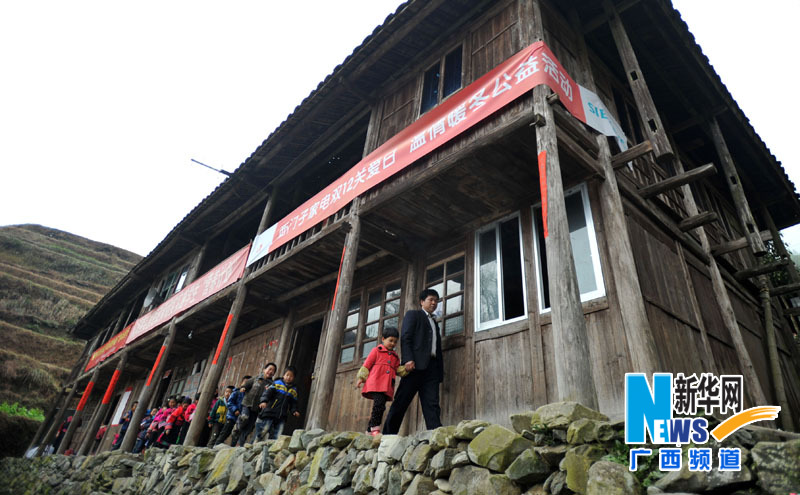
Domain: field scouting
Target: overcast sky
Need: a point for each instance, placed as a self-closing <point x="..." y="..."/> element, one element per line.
<point x="103" y="104"/>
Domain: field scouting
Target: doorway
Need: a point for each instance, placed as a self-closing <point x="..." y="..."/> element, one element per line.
<point x="303" y="356"/>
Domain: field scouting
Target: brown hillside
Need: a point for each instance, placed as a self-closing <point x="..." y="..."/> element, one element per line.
<point x="48" y="280"/>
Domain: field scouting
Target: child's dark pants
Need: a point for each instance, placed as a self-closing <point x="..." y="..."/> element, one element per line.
<point x="378" y="408"/>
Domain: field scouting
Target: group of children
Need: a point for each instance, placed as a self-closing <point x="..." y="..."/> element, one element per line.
<point x="162" y="427"/>
<point x="236" y="411"/>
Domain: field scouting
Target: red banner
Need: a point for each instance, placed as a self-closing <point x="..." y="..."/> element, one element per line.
<point x="516" y="76"/>
<point x="116" y="343"/>
<point x="216" y="279"/>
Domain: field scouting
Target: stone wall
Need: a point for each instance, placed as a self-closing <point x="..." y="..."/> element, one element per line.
<point x="559" y="449"/>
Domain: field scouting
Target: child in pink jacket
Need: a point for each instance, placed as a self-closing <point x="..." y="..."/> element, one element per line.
<point x="377" y="376"/>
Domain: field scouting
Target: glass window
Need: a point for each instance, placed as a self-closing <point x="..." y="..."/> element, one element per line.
<point x="447" y="278"/>
<point x="500" y="292"/>
<point x="363" y="329"/>
<point x="441" y="80"/>
<point x="351" y="329"/>
<point x="584" y="248"/>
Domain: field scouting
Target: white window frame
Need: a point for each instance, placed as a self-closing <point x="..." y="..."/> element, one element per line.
<point x="479" y="327"/>
<point x="594" y="252"/>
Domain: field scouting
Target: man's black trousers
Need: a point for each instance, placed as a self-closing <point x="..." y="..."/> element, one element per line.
<point x="422" y="382"/>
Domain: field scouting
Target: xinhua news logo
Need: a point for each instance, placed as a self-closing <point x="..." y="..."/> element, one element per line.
<point x="667" y="411"/>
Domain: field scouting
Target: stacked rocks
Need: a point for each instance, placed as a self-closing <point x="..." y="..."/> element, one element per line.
<point x="558" y="449"/>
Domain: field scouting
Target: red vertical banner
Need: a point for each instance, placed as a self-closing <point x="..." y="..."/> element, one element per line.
<point x="338" y="277"/>
<point x="155" y="365"/>
<point x="85" y="396"/>
<point x="222" y="338"/>
<point x="111" y="385"/>
<point x="543" y="188"/>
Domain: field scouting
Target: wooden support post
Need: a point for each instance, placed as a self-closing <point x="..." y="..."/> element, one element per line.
<point x="678" y="180"/>
<point x="698" y="220"/>
<point x="737" y="191"/>
<point x="228" y="331"/>
<point x="752" y="384"/>
<point x="641" y="94"/>
<point x="774" y="358"/>
<point x="318" y="413"/>
<point x="282" y="353"/>
<point x="58" y="413"/>
<point x="639" y="336"/>
<point x="215" y="367"/>
<point x="73" y="425"/>
<point x="102" y="408"/>
<point x="574" y="375"/>
<point x="147" y="389"/>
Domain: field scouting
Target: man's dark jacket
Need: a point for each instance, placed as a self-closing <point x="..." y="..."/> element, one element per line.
<point x="415" y="343"/>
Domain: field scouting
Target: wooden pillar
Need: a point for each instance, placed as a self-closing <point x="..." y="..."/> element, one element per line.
<point x="641" y="94"/>
<point x="147" y="389"/>
<point x="102" y="408"/>
<point x="318" y="413"/>
<point x="87" y="392"/>
<point x="774" y="358"/>
<point x="751" y="231"/>
<point x="284" y="341"/>
<point x="58" y="414"/>
<point x="229" y="330"/>
<point x="639" y="336"/>
<point x="414" y="280"/>
<point x="574" y="375"/>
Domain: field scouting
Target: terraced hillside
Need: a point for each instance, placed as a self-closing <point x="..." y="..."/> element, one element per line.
<point x="48" y="280"/>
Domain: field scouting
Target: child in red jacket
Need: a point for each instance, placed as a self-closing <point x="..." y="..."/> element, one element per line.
<point x="379" y="370"/>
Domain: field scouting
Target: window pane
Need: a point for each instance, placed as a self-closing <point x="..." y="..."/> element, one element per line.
<point x="452" y="72"/>
<point x="391" y="322"/>
<point x="430" y="89"/>
<point x="371" y="331"/>
<point x="581" y="249"/>
<point x="455" y="284"/>
<point x="545" y="289"/>
<point x="374" y="314"/>
<point x="487" y="263"/>
<point x="352" y="320"/>
<point x="453" y="305"/>
<point x="438" y="288"/>
<point x="393" y="290"/>
<point x="391" y="307"/>
<point x="455" y="265"/>
<point x="355" y="303"/>
<point x="347" y="355"/>
<point x="434" y="274"/>
<point x="349" y="337"/>
<point x="454" y="325"/>
<point x="368" y="346"/>
<point x="513" y="298"/>
<point x="374" y="298"/>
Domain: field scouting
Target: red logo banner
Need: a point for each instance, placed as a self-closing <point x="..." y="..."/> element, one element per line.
<point x="116" y="343"/>
<point x="516" y="76"/>
<point x="216" y="279"/>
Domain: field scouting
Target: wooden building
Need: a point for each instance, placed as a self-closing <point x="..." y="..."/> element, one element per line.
<point x="648" y="259"/>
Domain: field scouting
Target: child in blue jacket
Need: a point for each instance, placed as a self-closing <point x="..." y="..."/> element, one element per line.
<point x="234" y="405"/>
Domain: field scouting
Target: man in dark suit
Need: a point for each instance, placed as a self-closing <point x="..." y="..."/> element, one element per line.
<point x="421" y="348"/>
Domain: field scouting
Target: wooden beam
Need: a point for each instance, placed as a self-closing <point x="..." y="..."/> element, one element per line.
<point x="323" y="392"/>
<point x="782" y="290"/>
<point x="735" y="245"/>
<point x="760" y="270"/>
<point x="695" y="221"/>
<point x="621" y="159"/>
<point x="331" y="277"/>
<point x="651" y="120"/>
<point x="601" y="19"/>
<point x="792" y="312"/>
<point x="737" y="191"/>
<point x="678" y="180"/>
